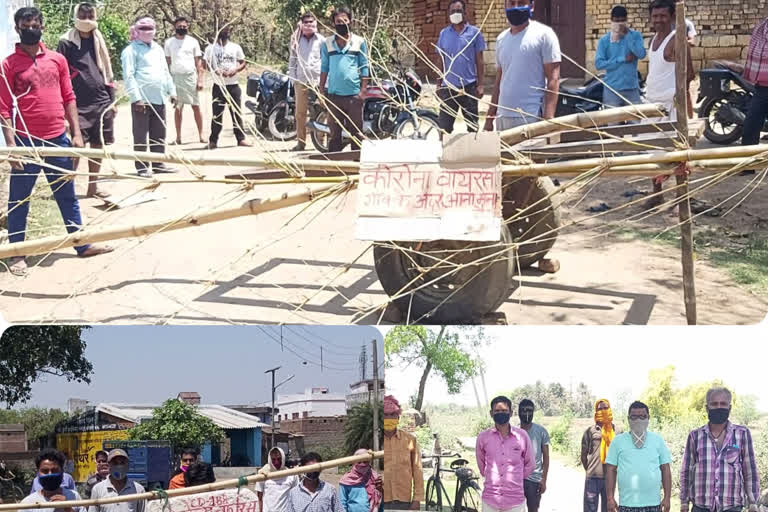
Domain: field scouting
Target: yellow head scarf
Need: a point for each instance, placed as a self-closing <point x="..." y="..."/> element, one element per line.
<point x="605" y="418"/>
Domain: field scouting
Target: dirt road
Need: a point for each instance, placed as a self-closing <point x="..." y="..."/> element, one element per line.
<point x="305" y="266"/>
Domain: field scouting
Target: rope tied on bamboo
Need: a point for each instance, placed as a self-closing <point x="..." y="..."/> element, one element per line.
<point x="242" y="481"/>
<point x="162" y="495"/>
<point x="682" y="169"/>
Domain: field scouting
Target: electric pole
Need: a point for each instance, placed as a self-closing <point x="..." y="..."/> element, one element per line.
<point x="376" y="401"/>
<point x="274" y="388"/>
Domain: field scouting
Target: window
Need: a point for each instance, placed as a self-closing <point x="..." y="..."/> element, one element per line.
<point x="305" y="414"/>
<point x="295" y="416"/>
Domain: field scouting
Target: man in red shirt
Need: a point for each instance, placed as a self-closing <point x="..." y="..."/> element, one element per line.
<point x="36" y="98"/>
<point x="756" y="72"/>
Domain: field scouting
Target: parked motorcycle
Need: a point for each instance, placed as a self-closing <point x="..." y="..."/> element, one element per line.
<point x="726" y="97"/>
<point x="274" y="108"/>
<point x="587" y="98"/>
<point x="389" y="110"/>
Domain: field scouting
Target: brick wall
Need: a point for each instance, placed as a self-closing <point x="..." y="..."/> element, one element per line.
<point x="317" y="431"/>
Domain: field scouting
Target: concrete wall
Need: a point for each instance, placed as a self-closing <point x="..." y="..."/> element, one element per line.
<point x="13" y="438"/>
<point x="328" y="431"/>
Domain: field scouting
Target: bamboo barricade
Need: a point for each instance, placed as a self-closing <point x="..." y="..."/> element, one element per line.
<point x="684" y="202"/>
<point x="186" y="491"/>
<point x="86" y="236"/>
<point x="582" y="120"/>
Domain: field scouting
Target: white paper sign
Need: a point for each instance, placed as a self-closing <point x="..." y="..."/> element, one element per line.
<point x="228" y="500"/>
<point x="415" y="190"/>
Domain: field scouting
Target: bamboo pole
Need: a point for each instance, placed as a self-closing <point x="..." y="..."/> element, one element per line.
<point x="581" y="120"/>
<point x="186" y="491"/>
<point x="93" y="235"/>
<point x="684" y="203"/>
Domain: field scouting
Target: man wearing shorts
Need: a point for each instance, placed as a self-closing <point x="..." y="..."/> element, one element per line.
<point x="186" y="62"/>
<point x="90" y="70"/>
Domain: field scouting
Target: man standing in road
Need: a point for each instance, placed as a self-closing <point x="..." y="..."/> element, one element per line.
<point x="88" y="57"/>
<point x="639" y="460"/>
<point x="403" y="477"/>
<point x="719" y="471"/>
<point x="461" y="48"/>
<point x="102" y="472"/>
<point x="50" y="472"/>
<point x="344" y="68"/>
<point x="273" y="493"/>
<point x="756" y="72"/>
<point x="36" y="98"/>
<point x="528" y="70"/>
<point x="304" y="69"/>
<point x="617" y="53"/>
<point x="188" y="457"/>
<point x="536" y="484"/>
<point x="312" y="494"/>
<point x="183" y="54"/>
<point x="225" y="60"/>
<point x="117" y="484"/>
<point x="505" y="459"/>
<point x="149" y="85"/>
<point x="594" y="447"/>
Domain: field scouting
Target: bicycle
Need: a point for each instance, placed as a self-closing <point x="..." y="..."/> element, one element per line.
<point x="467" y="496"/>
<point x="9" y="491"/>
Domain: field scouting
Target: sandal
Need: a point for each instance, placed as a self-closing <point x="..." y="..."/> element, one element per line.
<point x="18" y="266"/>
<point x="96" y="250"/>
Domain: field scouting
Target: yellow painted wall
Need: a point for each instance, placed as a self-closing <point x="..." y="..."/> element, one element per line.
<point x="82" y="447"/>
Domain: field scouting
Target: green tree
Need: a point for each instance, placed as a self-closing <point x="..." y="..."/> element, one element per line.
<point x="447" y="352"/>
<point x="179" y="423"/>
<point x="31" y="352"/>
<point x="38" y="421"/>
<point x="358" y="431"/>
<point x="660" y="396"/>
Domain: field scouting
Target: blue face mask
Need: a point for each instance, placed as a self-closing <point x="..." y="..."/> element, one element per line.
<point x="518" y="15"/>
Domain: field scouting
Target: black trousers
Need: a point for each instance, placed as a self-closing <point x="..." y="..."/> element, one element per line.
<point x="453" y="101"/>
<point x="222" y="99"/>
<point x="148" y="122"/>
<point x="756" y="116"/>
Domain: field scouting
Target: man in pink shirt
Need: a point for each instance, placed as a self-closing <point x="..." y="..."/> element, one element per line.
<point x="36" y="99"/>
<point x="505" y="458"/>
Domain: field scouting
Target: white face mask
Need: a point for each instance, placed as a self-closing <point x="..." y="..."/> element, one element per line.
<point x="639" y="431"/>
<point x="86" y="25"/>
<point x="456" y="18"/>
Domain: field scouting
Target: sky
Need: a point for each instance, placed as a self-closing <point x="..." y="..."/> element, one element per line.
<point x="147" y="365"/>
<point x="609" y="360"/>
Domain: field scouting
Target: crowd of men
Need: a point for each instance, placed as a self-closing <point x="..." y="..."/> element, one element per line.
<point x="718" y="472"/>
<point x="360" y="489"/>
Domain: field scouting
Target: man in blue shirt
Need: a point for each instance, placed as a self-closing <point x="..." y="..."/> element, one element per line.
<point x="618" y="53"/>
<point x="460" y="47"/>
<point x="344" y="68"/>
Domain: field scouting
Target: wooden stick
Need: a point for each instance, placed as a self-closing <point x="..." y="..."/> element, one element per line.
<point x="93" y="235"/>
<point x="581" y="120"/>
<point x="684" y="206"/>
<point x="186" y="491"/>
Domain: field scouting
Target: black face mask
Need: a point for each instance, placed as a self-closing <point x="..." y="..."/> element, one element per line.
<point x="182" y="31"/>
<point x="517" y="17"/>
<point x="51" y="481"/>
<point x="342" y="29"/>
<point x="501" y="418"/>
<point x="525" y="417"/>
<point x="223" y="37"/>
<point x="30" y="36"/>
<point x="718" y="416"/>
<point x="314" y="476"/>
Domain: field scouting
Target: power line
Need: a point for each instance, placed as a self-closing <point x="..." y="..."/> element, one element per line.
<point x="326" y="340"/>
<point x="293" y="350"/>
<point x="314" y="344"/>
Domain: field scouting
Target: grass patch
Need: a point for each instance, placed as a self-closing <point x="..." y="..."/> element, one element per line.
<point x="44" y="217"/>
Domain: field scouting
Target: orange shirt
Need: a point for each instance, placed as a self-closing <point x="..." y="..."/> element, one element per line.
<point x="177" y="482"/>
<point x="403" y="476"/>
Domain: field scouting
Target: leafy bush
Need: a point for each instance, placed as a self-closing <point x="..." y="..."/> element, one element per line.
<point x="559" y="436"/>
<point x="116" y="34"/>
<point x="179" y="423"/>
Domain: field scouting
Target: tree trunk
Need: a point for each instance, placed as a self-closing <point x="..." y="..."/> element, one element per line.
<point x="422" y="385"/>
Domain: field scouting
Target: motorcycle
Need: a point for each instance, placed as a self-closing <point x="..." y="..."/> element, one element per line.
<point x="389" y="110"/>
<point x="274" y="108"/>
<point x="587" y="98"/>
<point x="726" y="97"/>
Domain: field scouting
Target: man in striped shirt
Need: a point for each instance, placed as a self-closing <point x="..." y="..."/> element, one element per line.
<point x="312" y="494"/>
<point x="719" y="469"/>
<point x="756" y="72"/>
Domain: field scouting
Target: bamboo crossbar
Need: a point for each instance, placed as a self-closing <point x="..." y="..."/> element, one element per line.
<point x="93" y="235"/>
<point x="186" y="491"/>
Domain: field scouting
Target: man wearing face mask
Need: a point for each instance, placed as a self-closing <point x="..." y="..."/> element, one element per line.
<point x="461" y="48"/>
<point x="312" y="494"/>
<point x="360" y="490"/>
<point x="594" y="448"/>
<point x="527" y="70"/>
<point x="188" y="457"/>
<point x="403" y="476"/>
<point x="618" y="53"/>
<point x="719" y="471"/>
<point x="102" y="472"/>
<point x="149" y="85"/>
<point x="87" y="54"/>
<point x="536" y="484"/>
<point x="50" y="474"/>
<point x="183" y="54"/>
<point x="639" y="460"/>
<point x="304" y="68"/>
<point x="505" y="459"/>
<point x="273" y="493"/>
<point x="117" y="484"/>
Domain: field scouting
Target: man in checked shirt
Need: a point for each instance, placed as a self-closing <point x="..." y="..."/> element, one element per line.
<point x="756" y="72"/>
<point x="719" y="469"/>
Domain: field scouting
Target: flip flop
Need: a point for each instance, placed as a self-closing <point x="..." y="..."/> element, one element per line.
<point x="16" y="271"/>
<point x="98" y="250"/>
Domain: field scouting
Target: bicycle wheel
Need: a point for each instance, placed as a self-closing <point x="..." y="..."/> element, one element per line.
<point x="469" y="499"/>
<point x="434" y="498"/>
